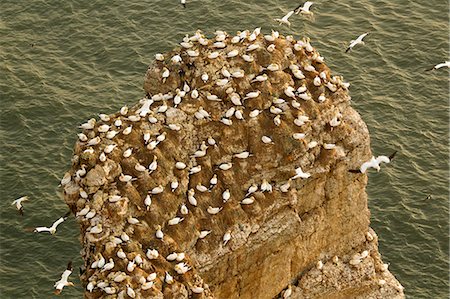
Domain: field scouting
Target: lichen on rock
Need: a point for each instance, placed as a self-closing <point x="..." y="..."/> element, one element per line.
<point x="228" y="180"/>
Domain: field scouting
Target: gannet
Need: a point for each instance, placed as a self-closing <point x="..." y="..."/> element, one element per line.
<point x="124" y="110"/>
<point x="226" y="195"/>
<point x="285" y="19"/>
<point x="248" y="200"/>
<point x="288" y="292"/>
<point x="168" y="278"/>
<point x="374" y="163"/>
<point x="184" y="210"/>
<point x="254" y="113"/>
<point x="52" y="229"/>
<point x="82" y="137"/>
<point x="181" y="268"/>
<point x="197" y="290"/>
<point x="191" y="198"/>
<point x="175" y="221"/>
<point x="214" y="211"/>
<point x="285" y="187"/>
<point x="154" y="165"/>
<point x="203" y="234"/>
<point x="127" y="130"/>
<point x="213" y="181"/>
<point x="18" y="203"/>
<point x="225" y="166"/>
<point x="158" y="189"/>
<point x="104" y="117"/>
<point x="152" y="254"/>
<point x="243" y="155"/>
<point x="440" y="65"/>
<point x="183" y="2"/>
<point x="159" y="234"/>
<point x="252" y="189"/>
<point x="195" y="169"/>
<point x="304" y="9"/>
<point x="226" y="237"/>
<point x="300" y="174"/>
<point x="260" y="78"/>
<point x="60" y="284"/>
<point x="89" y="125"/>
<point x="267" y="140"/>
<point x="265" y="186"/>
<point x="359" y="40"/>
<point x="174" y="185"/>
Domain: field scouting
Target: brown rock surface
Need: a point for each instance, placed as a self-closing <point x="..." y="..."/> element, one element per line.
<point x="276" y="240"/>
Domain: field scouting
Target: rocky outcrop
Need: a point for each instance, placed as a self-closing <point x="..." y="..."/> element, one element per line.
<point x="229" y="180"/>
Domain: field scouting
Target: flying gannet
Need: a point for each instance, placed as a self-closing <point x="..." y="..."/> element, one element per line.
<point x="304" y="9"/>
<point x="60" y="284"/>
<point x="440" y="65"/>
<point x="52" y="229"/>
<point x="374" y="163"/>
<point x="285" y="19"/>
<point x="359" y="40"/>
<point x="18" y="204"/>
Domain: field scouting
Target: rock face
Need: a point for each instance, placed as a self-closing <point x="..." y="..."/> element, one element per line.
<point x="229" y="180"/>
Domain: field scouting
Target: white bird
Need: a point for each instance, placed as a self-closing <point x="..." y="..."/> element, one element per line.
<point x="440" y="65"/>
<point x="174" y="185"/>
<point x="152" y="254"/>
<point x="197" y="290"/>
<point x="63" y="282"/>
<point x="304" y="9"/>
<point x="18" y="203"/>
<point x="159" y="234"/>
<point x="154" y="165"/>
<point x="248" y="200"/>
<point x="359" y="40"/>
<point x="175" y="221"/>
<point x="252" y="189"/>
<point x="121" y="254"/>
<point x="183" y="2"/>
<point x="52" y="229"/>
<point x="374" y="163"/>
<point x="213" y="181"/>
<point x="254" y="113"/>
<point x="201" y="188"/>
<point x="131" y="292"/>
<point x="226" y="195"/>
<point x="266" y="186"/>
<point x="226" y="237"/>
<point x="285" y="187"/>
<point x="195" y="169"/>
<point x="285" y="19"/>
<point x="184" y="210"/>
<point x="300" y="174"/>
<point x="203" y="234"/>
<point x="225" y="166"/>
<point x="108" y="266"/>
<point x="252" y="95"/>
<point x="168" y="278"/>
<point x="266" y="140"/>
<point x="214" y="211"/>
<point x="288" y="292"/>
<point x="89" y="125"/>
<point x="157" y="190"/>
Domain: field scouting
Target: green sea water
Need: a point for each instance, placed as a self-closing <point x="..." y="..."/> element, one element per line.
<point x="62" y="62"/>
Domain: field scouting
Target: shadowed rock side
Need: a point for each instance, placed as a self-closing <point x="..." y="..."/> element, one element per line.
<point x="229" y="180"/>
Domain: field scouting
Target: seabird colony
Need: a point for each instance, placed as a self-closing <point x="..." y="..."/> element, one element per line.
<point x="154" y="180"/>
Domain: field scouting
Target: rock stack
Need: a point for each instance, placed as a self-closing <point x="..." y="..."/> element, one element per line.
<point x="228" y="180"/>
